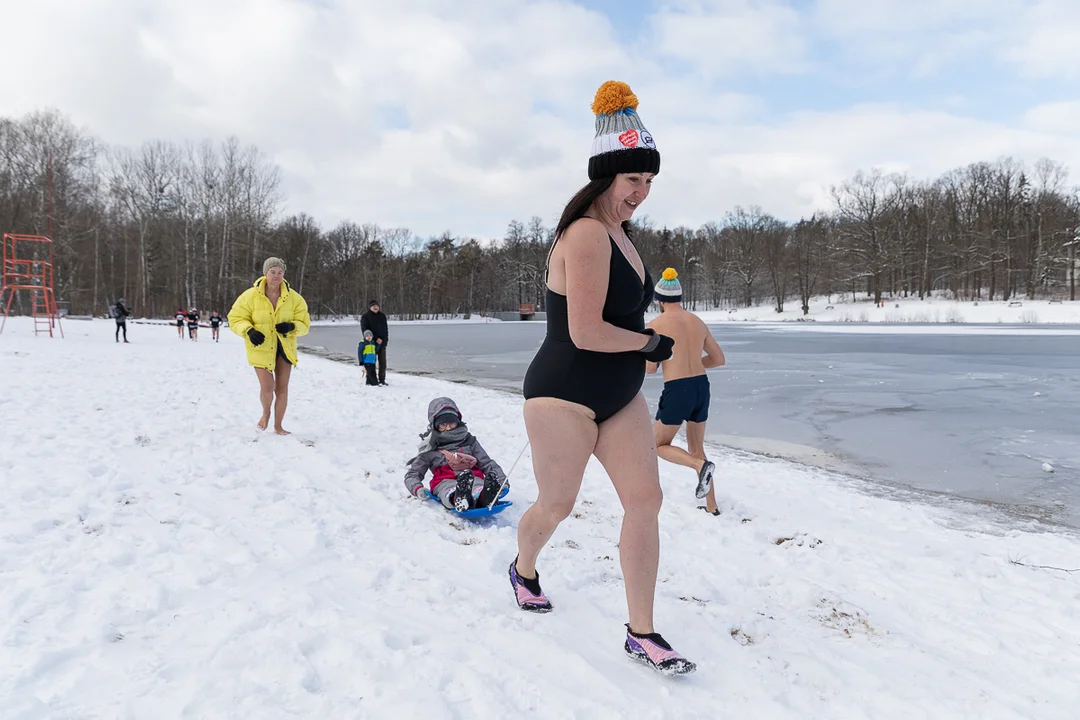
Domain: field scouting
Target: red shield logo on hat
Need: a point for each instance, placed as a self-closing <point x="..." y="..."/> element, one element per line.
<point x="629" y="138"/>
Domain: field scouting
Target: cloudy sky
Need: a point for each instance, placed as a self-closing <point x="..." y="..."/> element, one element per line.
<point x="462" y="115"/>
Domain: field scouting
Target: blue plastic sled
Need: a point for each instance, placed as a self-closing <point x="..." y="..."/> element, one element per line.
<point x="479" y="512"/>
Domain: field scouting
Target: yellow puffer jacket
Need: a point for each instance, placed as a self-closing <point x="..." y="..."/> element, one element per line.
<point x="254" y="310"/>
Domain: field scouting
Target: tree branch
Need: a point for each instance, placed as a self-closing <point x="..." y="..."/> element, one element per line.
<point x="1019" y="561"/>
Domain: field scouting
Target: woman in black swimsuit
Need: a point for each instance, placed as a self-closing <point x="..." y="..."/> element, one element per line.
<point x="583" y="388"/>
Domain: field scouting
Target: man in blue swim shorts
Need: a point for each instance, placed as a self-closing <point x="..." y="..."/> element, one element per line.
<point x="686" y="386"/>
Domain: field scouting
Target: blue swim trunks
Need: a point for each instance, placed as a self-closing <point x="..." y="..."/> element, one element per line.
<point x="684" y="400"/>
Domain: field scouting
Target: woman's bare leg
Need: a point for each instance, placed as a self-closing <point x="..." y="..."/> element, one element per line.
<point x="562" y="435"/>
<point x="266" y="395"/>
<point x="281" y="390"/>
<point x="626" y="448"/>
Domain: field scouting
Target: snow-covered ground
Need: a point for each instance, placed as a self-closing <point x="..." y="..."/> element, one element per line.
<point x="909" y="310"/>
<point x="160" y="557"/>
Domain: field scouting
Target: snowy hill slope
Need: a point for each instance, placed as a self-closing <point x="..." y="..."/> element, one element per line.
<point x="159" y="557"/>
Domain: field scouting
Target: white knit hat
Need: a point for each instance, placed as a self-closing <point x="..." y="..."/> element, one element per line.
<point x="622" y="144"/>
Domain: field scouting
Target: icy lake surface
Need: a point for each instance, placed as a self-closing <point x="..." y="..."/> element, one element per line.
<point x="969" y="412"/>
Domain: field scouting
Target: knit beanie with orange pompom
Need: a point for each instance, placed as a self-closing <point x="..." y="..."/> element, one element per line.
<point x="622" y="144"/>
<point x="668" y="290"/>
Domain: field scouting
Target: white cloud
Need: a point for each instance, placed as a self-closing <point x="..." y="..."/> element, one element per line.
<point x="1046" y="39"/>
<point x="914" y="38"/>
<point x="874" y="18"/>
<point x="723" y="37"/>
<point x="787" y="167"/>
<point x="1038" y="36"/>
<point x="418" y="114"/>
<point x="1058" y="117"/>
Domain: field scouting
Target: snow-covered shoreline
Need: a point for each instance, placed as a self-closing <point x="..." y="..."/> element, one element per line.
<point x="931" y="310"/>
<point x="163" y="558"/>
<point x="894" y="312"/>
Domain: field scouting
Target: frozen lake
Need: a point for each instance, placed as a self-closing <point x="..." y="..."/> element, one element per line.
<point x="949" y="411"/>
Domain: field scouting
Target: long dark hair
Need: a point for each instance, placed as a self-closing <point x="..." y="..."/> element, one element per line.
<point x="581" y="202"/>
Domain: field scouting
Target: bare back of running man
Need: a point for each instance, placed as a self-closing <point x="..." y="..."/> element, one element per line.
<point x="686" y="394"/>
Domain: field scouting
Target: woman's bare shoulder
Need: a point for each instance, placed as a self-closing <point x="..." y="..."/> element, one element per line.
<point x="585" y="235"/>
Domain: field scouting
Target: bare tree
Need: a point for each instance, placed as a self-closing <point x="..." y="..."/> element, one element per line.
<point x="777" y="244"/>
<point x="865" y="205"/>
<point x="143" y="184"/>
<point x="745" y="231"/>
<point x="299" y="238"/>
<point x="1047" y="208"/>
<point x="810" y="253"/>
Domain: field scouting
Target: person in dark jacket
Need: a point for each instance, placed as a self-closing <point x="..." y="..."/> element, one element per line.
<point x="463" y="475"/>
<point x="120" y="314"/>
<point x="375" y="321"/>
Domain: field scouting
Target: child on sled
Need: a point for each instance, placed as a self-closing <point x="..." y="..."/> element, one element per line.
<point x="463" y="475"/>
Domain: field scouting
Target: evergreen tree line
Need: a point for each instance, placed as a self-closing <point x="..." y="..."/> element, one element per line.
<point x="188" y="224"/>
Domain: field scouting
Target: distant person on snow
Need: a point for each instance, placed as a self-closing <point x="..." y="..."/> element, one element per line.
<point x="463" y="475"/>
<point x="193" y="324"/>
<point x="367" y="352"/>
<point x="270" y="316"/>
<point x="686" y="386"/>
<point x="375" y="321"/>
<point x="181" y="316"/>
<point x="120" y="313"/>
<point x="215" y="325"/>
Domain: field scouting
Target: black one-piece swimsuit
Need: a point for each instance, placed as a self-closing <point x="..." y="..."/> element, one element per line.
<point x="603" y="382"/>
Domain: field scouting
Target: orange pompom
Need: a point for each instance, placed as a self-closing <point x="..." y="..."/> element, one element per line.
<point x="614" y="96"/>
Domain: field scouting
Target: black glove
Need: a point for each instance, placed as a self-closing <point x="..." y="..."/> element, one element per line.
<point x="285" y="328"/>
<point x="255" y="336"/>
<point x="658" y="349"/>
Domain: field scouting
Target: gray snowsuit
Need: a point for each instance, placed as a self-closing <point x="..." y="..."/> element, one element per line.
<point x="433" y="456"/>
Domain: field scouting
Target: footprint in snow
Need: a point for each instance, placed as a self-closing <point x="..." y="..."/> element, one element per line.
<point x="798" y="540"/>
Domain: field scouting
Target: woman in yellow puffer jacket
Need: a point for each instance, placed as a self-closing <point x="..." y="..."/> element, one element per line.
<point x="270" y="316"/>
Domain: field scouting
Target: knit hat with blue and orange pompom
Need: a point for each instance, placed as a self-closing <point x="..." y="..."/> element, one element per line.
<point x="622" y="144"/>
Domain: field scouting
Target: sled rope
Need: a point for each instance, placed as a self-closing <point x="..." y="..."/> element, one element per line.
<point x="508" y="474"/>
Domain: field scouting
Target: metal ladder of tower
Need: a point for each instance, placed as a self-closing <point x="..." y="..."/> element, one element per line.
<point x="43" y="309"/>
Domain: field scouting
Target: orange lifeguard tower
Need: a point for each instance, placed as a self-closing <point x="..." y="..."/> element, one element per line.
<point x="33" y="272"/>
